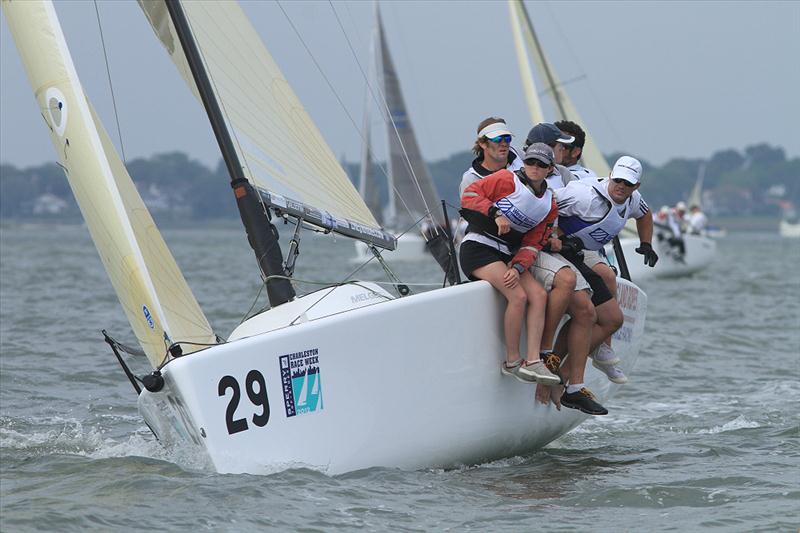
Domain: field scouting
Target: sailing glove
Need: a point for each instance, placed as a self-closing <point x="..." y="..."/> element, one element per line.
<point x="650" y="256"/>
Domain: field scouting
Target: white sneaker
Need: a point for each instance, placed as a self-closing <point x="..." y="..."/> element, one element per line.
<point x="536" y="372"/>
<point x="613" y="373"/>
<point x="604" y="355"/>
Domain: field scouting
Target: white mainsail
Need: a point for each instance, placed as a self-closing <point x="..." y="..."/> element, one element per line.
<point x="154" y="295"/>
<point x="367" y="185"/>
<point x="565" y="109"/>
<point x="281" y="149"/>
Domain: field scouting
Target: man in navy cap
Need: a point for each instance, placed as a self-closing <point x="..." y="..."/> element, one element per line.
<point x="553" y="137"/>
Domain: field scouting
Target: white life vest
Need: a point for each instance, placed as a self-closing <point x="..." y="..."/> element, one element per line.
<point x="523" y="208"/>
<point x="595" y="235"/>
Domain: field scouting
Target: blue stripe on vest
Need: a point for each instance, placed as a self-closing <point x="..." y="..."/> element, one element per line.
<point x="572" y="224"/>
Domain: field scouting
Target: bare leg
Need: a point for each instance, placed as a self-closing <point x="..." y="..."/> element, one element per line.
<point x="611" y="282"/>
<point x="557" y="301"/>
<point x="537" y="302"/>
<point x="512" y="320"/>
<point x="609" y="320"/>
<point x="579" y="336"/>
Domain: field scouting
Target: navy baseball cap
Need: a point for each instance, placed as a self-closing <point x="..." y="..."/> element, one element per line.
<point x="548" y="134"/>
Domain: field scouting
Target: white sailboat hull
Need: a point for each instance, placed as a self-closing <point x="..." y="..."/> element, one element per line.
<point x="787" y="229"/>
<point x="426" y="392"/>
<point x="410" y="247"/>
<point x="700" y="252"/>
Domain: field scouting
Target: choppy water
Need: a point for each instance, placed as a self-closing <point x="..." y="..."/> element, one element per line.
<point x="706" y="435"/>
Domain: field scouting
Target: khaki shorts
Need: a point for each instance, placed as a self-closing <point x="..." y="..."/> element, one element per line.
<point x="548" y="264"/>
<point x="591" y="258"/>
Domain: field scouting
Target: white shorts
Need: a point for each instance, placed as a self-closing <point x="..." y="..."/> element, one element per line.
<point x="592" y="257"/>
<point x="548" y="264"/>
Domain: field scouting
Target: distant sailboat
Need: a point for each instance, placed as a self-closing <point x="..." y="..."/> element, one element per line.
<point x="232" y="401"/>
<point x="414" y="208"/>
<point x="700" y="250"/>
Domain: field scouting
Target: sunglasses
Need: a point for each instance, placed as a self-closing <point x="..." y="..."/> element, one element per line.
<point x="620" y="180"/>
<point x="536" y="163"/>
<point x="500" y="138"/>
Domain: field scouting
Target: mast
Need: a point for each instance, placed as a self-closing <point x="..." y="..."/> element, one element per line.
<point x="545" y="66"/>
<point x="261" y="233"/>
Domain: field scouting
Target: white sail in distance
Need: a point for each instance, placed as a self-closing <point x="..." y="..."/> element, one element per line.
<point x="281" y="149"/>
<point x="412" y="192"/>
<point x="565" y="109"/>
<point x="367" y="184"/>
<point x="154" y="295"/>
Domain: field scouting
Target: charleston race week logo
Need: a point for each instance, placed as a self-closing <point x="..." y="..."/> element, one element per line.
<point x="300" y="377"/>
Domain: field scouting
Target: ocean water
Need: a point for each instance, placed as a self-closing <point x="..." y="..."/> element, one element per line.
<point x="705" y="436"/>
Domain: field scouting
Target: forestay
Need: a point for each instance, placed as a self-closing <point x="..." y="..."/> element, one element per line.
<point x="284" y="154"/>
<point x="154" y="295"/>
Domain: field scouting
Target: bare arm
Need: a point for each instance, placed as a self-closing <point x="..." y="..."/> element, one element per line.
<point x="644" y="226"/>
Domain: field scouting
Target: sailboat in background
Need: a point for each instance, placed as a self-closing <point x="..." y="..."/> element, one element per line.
<point x="414" y="205"/>
<point x="401" y="389"/>
<point x="700" y="250"/>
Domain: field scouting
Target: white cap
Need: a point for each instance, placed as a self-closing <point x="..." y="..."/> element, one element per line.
<point x="627" y="168"/>
<point x="681" y="206"/>
<point x="494" y="130"/>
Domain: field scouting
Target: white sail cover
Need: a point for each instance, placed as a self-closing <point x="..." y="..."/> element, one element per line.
<point x="416" y="191"/>
<point x="565" y="109"/>
<point x="279" y="145"/>
<point x="153" y="293"/>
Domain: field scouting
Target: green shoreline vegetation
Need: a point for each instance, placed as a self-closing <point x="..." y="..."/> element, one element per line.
<point x="742" y="190"/>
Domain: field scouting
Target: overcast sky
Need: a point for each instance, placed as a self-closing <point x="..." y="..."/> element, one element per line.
<point x="654" y="79"/>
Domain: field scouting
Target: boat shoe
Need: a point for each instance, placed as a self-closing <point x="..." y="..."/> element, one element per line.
<point x="613" y="373"/>
<point x="536" y="372"/>
<point x="553" y="363"/>
<point x="583" y="400"/>
<point x="604" y="355"/>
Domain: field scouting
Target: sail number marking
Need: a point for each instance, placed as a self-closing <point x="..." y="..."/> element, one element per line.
<point x="257" y="396"/>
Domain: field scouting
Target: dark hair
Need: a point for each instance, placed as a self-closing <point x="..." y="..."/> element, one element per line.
<point x="476" y="149"/>
<point x="571" y="128"/>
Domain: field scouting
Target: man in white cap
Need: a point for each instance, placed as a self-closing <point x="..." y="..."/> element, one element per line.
<point x="493" y="152"/>
<point x="591" y="214"/>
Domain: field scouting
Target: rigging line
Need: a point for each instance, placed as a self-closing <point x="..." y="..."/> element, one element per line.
<point x="336" y="94"/>
<point x="606" y="117"/>
<point x="110" y="85"/>
<point x="388" y="112"/>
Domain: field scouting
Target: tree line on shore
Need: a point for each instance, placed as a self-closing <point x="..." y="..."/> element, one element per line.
<point x="760" y="180"/>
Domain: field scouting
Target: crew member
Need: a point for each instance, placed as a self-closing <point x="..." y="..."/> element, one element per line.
<point x="574" y="151"/>
<point x="550" y="135"/>
<point x="591" y="213"/>
<point x="510" y="216"/>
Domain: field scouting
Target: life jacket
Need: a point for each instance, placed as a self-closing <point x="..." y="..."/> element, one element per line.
<point x="523" y="209"/>
<point x="595" y="235"/>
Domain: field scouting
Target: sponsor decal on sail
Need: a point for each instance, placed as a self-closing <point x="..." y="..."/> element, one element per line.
<point x="300" y="380"/>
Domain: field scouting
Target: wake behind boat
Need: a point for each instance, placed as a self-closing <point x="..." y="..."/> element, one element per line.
<point x="344" y="378"/>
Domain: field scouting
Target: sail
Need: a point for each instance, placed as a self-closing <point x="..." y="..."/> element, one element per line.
<point x="281" y="149"/>
<point x="154" y="295"/>
<point x="367" y="185"/>
<point x="565" y="109"/>
<point x="696" y="196"/>
<point x="522" y="35"/>
<point x="412" y="191"/>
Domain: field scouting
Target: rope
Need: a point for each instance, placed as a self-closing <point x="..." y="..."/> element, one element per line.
<point x="110" y="84"/>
